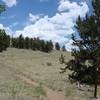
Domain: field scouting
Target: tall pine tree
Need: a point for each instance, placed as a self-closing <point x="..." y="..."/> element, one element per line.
<point x="57" y="46"/>
<point x="3" y="36"/>
<point x="84" y="66"/>
<point x="21" y="42"/>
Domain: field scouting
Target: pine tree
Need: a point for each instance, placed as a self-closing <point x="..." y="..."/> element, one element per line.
<point x="8" y="40"/>
<point x="34" y="44"/>
<point x="87" y="55"/>
<point x="27" y="43"/>
<point x="47" y="47"/>
<point x="4" y="40"/>
<point x="1" y="41"/>
<point x="42" y="45"/>
<point x="15" y="42"/>
<point x="2" y="32"/>
<point x="57" y="46"/>
<point x="38" y="45"/>
<point x="20" y="42"/>
<point x="31" y="42"/>
<point x="50" y="45"/>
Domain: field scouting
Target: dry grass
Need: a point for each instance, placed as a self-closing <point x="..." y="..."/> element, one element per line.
<point x="34" y="65"/>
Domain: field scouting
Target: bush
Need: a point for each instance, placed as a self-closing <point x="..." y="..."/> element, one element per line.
<point x="49" y="64"/>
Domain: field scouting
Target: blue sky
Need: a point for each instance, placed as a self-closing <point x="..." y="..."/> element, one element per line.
<point x="20" y="12"/>
<point x="48" y="19"/>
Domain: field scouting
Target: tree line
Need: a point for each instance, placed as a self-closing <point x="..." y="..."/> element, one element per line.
<point x="35" y="44"/>
<point x="32" y="43"/>
<point x="27" y="43"/>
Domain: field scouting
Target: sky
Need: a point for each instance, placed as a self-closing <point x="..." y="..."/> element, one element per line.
<point x="47" y="19"/>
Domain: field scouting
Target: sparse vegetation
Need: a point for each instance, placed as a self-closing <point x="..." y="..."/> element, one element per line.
<point x="16" y="89"/>
<point x="30" y="71"/>
<point x="29" y="62"/>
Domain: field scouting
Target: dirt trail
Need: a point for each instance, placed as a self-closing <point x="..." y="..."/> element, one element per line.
<point x="51" y="95"/>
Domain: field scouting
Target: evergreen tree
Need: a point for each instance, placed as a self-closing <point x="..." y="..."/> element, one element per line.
<point x="31" y="42"/>
<point x="47" y="47"/>
<point x="3" y="36"/>
<point x="21" y="42"/>
<point x="50" y="45"/>
<point x="4" y="40"/>
<point x="1" y="41"/>
<point x="57" y="46"/>
<point x="42" y="45"/>
<point x="8" y="40"/>
<point x="37" y="43"/>
<point x="34" y="44"/>
<point x="84" y="65"/>
<point x="27" y="43"/>
<point x="15" y="42"/>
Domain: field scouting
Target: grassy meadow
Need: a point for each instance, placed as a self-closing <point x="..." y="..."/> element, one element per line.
<point x="43" y="68"/>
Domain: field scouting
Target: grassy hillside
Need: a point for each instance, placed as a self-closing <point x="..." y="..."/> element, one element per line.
<point x="41" y="67"/>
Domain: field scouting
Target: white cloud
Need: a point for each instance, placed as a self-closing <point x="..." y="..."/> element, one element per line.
<point x="45" y="28"/>
<point x="66" y="5"/>
<point x="10" y="3"/>
<point x="58" y="27"/>
<point x="73" y="8"/>
<point x="1" y="26"/>
<point x="33" y="18"/>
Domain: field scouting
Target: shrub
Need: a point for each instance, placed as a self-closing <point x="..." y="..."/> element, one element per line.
<point x="49" y="64"/>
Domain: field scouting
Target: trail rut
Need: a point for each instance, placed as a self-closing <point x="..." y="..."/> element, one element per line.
<point x="50" y="94"/>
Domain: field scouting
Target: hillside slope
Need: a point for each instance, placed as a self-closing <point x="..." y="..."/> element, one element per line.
<point x="43" y="68"/>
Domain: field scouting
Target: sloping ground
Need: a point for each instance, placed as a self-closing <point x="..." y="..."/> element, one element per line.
<point x="38" y="67"/>
<point x="14" y="62"/>
<point x="42" y="67"/>
<point x="12" y="88"/>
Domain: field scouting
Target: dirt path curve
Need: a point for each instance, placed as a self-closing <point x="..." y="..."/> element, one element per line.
<point x="54" y="95"/>
<point x="51" y="95"/>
